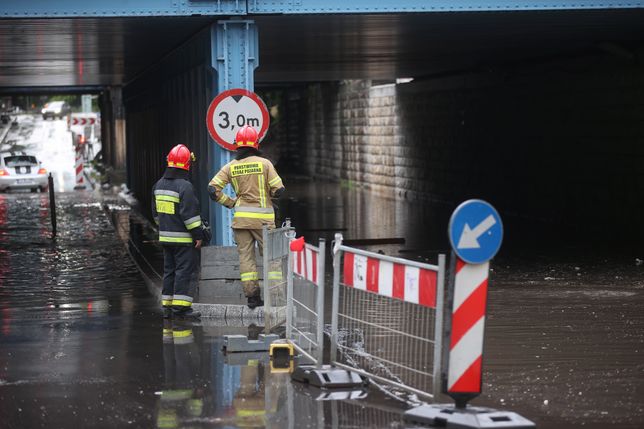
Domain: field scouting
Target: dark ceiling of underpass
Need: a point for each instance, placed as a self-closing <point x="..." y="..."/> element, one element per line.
<point x="113" y="51"/>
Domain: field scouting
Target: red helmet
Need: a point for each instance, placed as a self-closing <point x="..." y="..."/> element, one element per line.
<point x="180" y="157"/>
<point x="247" y="137"/>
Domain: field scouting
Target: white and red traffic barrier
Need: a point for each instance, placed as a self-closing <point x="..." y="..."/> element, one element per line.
<point x="79" y="166"/>
<point x="305" y="301"/>
<point x="305" y="263"/>
<point x="82" y="121"/>
<point x="364" y="281"/>
<point x="80" y="179"/>
<point x="391" y="279"/>
<point x="467" y="328"/>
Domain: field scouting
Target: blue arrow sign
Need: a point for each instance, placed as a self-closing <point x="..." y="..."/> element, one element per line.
<point x="475" y="231"/>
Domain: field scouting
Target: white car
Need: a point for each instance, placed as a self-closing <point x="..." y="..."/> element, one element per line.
<point x="55" y="109"/>
<point x="21" y="171"/>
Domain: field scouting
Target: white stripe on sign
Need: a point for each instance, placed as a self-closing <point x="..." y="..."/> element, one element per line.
<point x="465" y="352"/>
<point x="412" y="275"/>
<point x="360" y="272"/>
<point x="309" y="264"/>
<point x="298" y="263"/>
<point x="467" y="280"/>
<point x="386" y="278"/>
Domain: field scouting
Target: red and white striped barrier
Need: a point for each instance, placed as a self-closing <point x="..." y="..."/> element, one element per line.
<point x="305" y="264"/>
<point x="394" y="280"/>
<point x="80" y="174"/>
<point x="468" y="324"/>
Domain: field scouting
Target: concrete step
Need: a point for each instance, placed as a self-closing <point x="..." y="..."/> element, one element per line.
<point x="222" y="255"/>
<point x="219" y="281"/>
<point x="223" y="291"/>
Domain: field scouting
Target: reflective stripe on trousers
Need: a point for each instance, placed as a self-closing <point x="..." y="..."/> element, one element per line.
<point x="275" y="275"/>
<point x="246" y="277"/>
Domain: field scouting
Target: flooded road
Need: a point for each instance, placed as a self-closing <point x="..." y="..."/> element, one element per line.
<point x="564" y="341"/>
<point x="83" y="344"/>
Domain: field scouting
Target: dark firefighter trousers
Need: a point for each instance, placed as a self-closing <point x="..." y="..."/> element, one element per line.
<point x="180" y="271"/>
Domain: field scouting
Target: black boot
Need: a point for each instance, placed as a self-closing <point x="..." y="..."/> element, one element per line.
<point x="255" y="301"/>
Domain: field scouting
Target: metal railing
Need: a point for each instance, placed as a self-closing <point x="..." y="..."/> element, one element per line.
<point x="276" y="258"/>
<point x="387" y="317"/>
<point x="305" y="307"/>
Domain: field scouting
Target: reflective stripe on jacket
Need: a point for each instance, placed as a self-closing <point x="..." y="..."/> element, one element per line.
<point x="175" y="209"/>
<point x="255" y="181"/>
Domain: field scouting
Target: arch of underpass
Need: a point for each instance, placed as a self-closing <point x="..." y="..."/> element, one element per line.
<point x="543" y="123"/>
<point x="534" y="107"/>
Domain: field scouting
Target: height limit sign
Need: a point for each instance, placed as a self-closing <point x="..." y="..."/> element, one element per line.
<point x="233" y="109"/>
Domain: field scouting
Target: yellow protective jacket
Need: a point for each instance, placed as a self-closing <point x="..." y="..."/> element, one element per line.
<point x="255" y="181"/>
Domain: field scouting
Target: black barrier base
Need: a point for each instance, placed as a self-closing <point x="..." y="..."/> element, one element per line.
<point x="337" y="394"/>
<point x="449" y="417"/>
<point x="327" y="376"/>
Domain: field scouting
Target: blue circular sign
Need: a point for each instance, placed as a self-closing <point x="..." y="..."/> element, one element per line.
<point x="475" y="231"/>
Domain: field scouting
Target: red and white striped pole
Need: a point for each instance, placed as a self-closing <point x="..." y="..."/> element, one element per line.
<point x="79" y="167"/>
<point x="475" y="232"/>
<point x="467" y="325"/>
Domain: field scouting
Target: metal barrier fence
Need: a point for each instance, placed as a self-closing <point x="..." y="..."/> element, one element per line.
<point x="276" y="258"/>
<point x="387" y="317"/>
<point x="305" y="308"/>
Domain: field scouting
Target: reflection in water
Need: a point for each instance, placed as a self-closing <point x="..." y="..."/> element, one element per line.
<point x="204" y="386"/>
<point x="181" y="399"/>
<point x="318" y="210"/>
<point x="564" y="340"/>
<point x="80" y="342"/>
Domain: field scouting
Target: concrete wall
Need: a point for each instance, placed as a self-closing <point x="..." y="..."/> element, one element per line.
<point x="561" y="142"/>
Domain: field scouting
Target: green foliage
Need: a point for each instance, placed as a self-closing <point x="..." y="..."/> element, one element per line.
<point x="73" y="100"/>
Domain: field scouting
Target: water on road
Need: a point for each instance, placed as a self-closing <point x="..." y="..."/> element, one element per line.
<point x="564" y="341"/>
<point x="83" y="344"/>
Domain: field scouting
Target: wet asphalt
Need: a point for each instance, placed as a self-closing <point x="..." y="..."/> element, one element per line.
<point x="564" y="341"/>
<point x="83" y="344"/>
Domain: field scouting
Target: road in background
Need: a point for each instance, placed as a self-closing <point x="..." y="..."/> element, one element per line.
<point x="51" y="142"/>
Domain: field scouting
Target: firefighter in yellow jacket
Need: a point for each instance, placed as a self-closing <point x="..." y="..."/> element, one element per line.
<point x="255" y="181"/>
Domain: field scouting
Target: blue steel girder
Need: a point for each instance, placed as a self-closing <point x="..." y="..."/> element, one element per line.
<point x="397" y="6"/>
<point x="118" y="8"/>
<point x="235" y="56"/>
<point x="124" y="8"/>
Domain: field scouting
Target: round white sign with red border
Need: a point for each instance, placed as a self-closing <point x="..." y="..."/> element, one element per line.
<point x="231" y="110"/>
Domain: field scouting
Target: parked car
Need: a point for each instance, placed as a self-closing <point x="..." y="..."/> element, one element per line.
<point x="56" y="109"/>
<point x="21" y="171"/>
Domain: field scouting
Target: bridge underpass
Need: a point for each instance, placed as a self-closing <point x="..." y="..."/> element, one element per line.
<point x="538" y="112"/>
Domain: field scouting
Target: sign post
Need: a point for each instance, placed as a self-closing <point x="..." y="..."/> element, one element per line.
<point x="234" y="56"/>
<point x="86" y="103"/>
<point x="475" y="233"/>
<point x="233" y="109"/>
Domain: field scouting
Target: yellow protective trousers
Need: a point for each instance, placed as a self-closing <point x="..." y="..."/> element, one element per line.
<point x="246" y="239"/>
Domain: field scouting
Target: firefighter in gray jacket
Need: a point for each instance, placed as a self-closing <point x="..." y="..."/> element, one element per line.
<point x="176" y="210"/>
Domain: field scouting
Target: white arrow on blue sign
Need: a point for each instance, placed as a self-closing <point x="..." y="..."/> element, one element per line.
<point x="475" y="231"/>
